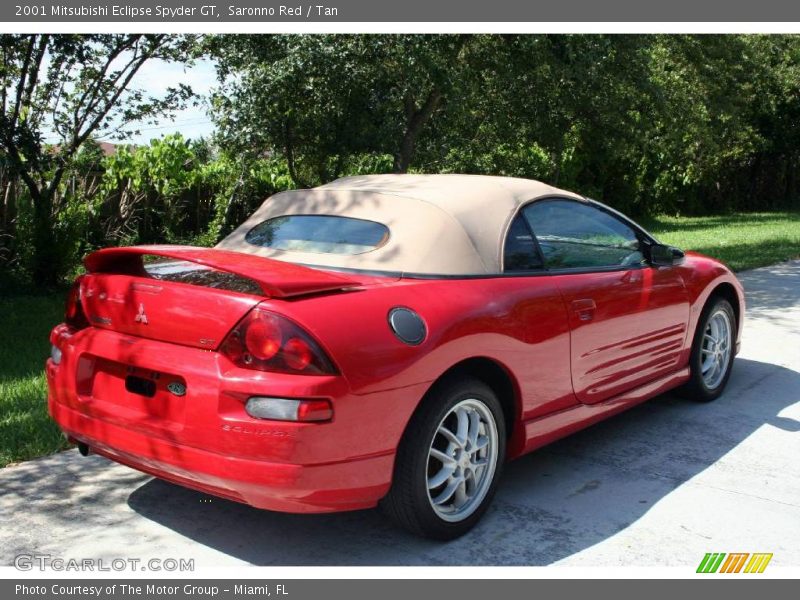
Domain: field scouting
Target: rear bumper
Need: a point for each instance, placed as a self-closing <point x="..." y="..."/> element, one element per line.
<point x="284" y="487"/>
<point x="210" y="444"/>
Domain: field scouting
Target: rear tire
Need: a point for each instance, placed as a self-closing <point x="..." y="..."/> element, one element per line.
<point x="713" y="351"/>
<point x="449" y="461"/>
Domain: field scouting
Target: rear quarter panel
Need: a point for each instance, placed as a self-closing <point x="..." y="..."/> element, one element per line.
<point x="519" y="322"/>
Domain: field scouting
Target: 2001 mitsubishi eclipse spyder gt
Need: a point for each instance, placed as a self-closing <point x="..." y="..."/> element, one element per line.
<point x="387" y="339"/>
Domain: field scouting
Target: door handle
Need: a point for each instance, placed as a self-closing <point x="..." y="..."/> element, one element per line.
<point x="584" y="308"/>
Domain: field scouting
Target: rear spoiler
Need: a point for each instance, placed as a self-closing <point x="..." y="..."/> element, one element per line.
<point x="277" y="279"/>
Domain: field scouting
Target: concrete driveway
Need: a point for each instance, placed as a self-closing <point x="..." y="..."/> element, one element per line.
<point x="660" y="485"/>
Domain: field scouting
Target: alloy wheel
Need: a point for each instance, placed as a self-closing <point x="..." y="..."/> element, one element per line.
<point x="716" y="349"/>
<point x="462" y="459"/>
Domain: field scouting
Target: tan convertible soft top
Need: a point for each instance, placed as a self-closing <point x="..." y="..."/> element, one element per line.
<point x="438" y="224"/>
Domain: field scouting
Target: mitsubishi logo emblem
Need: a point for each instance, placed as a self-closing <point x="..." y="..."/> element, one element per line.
<point x="141" y="317"/>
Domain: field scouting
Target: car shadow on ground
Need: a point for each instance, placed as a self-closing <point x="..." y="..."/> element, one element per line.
<point x="551" y="504"/>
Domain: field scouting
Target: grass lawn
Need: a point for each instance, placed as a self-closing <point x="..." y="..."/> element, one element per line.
<point x="26" y="430"/>
<point x="743" y="241"/>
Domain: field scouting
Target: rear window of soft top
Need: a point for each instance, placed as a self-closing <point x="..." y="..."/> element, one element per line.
<point x="324" y="234"/>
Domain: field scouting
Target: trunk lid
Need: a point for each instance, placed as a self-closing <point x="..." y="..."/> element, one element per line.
<point x="195" y="298"/>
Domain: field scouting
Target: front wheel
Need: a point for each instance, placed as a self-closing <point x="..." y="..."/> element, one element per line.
<point x="449" y="461"/>
<point x="712" y="352"/>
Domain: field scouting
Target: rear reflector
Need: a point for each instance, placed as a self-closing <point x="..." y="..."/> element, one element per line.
<point x="55" y="354"/>
<point x="285" y="409"/>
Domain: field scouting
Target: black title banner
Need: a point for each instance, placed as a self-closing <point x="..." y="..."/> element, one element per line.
<point x="173" y="11"/>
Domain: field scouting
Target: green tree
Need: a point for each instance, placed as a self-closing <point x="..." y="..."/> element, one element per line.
<point x="149" y="184"/>
<point x="75" y="87"/>
<point x="322" y="100"/>
<point x="544" y="106"/>
<point x="645" y="122"/>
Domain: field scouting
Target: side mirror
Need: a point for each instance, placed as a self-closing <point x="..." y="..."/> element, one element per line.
<point x="665" y="256"/>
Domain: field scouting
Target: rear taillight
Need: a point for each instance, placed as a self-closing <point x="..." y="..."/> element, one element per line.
<point x="73" y="310"/>
<point x="267" y="341"/>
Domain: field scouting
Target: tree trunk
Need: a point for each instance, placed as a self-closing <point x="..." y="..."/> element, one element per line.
<point x="416" y="118"/>
<point x="8" y="220"/>
<point x="46" y="257"/>
<point x="290" y="162"/>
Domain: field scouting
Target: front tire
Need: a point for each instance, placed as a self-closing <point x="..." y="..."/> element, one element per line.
<point x="712" y="354"/>
<point x="449" y="461"/>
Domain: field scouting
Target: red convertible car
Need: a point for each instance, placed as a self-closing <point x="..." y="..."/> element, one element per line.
<point x="387" y="339"/>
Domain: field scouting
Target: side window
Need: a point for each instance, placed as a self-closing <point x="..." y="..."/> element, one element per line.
<point x="576" y="235"/>
<point x="520" y="251"/>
